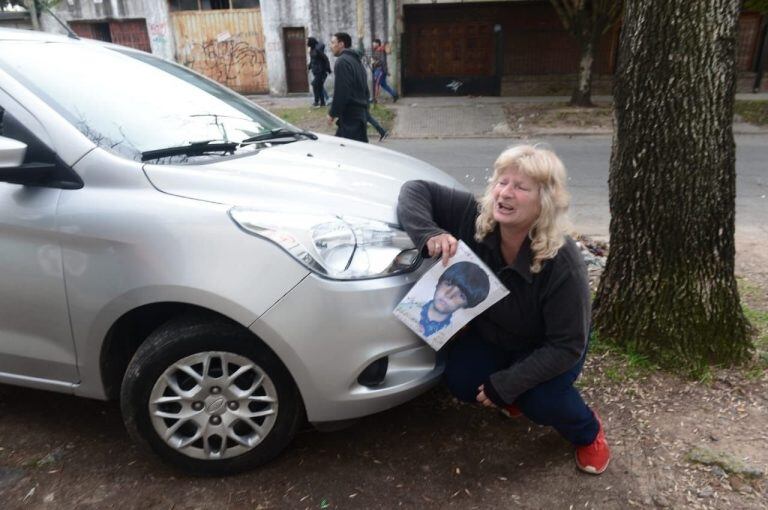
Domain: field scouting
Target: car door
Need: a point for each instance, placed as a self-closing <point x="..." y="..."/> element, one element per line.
<point x="36" y="344"/>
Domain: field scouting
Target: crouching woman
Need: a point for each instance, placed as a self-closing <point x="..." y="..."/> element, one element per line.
<point x="525" y="352"/>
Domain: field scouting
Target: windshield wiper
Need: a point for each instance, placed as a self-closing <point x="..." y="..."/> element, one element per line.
<point x="192" y="149"/>
<point x="279" y="133"/>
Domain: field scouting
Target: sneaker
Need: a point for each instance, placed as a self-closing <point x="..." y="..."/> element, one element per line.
<point x="511" y="411"/>
<point x="594" y="458"/>
<point x="384" y="136"/>
<point x="395" y="98"/>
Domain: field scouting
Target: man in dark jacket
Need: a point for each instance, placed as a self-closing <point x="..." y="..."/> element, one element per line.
<point x="350" y="96"/>
<point x="320" y="67"/>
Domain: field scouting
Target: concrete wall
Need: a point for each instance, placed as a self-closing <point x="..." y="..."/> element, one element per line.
<point x="15" y="19"/>
<point x="362" y="19"/>
<point x="154" y="11"/>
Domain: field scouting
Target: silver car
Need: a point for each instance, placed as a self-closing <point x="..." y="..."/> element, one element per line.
<point x="165" y="242"/>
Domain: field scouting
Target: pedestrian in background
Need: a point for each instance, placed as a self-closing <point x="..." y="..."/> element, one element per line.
<point x="320" y="67"/>
<point x="350" y="97"/>
<point x="380" y="71"/>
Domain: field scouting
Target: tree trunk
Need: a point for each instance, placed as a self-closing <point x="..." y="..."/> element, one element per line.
<point x="582" y="93"/>
<point x="669" y="288"/>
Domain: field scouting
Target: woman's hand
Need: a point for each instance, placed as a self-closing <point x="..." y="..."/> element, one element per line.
<point x="483" y="398"/>
<point x="442" y="245"/>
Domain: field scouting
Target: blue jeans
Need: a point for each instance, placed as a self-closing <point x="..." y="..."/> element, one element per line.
<point x="380" y="80"/>
<point x="556" y="402"/>
<point x="375" y="123"/>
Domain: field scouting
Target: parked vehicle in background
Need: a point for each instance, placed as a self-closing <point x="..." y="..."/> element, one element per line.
<point x="168" y="243"/>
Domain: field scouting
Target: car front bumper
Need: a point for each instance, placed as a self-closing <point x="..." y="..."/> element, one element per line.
<point x="327" y="332"/>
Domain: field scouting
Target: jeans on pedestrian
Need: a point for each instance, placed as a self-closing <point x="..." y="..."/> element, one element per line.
<point x="556" y="402"/>
<point x="380" y="80"/>
<point x="318" y="89"/>
<point x="375" y="123"/>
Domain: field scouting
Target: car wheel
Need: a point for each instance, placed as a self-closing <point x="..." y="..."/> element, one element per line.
<point x="209" y="398"/>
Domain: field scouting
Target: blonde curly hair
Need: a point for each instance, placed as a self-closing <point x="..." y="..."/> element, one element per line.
<point x="548" y="232"/>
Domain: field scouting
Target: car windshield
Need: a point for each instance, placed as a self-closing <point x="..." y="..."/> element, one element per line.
<point x="132" y="103"/>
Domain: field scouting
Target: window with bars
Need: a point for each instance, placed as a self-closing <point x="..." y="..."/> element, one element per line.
<point x="209" y="5"/>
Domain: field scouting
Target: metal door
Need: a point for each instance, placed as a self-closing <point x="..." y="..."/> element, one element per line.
<point x="131" y="33"/>
<point x="225" y="45"/>
<point x="445" y="56"/>
<point x="296" y="59"/>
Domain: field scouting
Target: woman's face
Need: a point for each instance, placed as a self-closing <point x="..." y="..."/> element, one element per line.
<point x="516" y="202"/>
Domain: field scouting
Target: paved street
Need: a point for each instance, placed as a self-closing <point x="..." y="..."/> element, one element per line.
<point x="587" y="159"/>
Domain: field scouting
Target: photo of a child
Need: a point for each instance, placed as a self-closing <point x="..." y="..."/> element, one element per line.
<point x="445" y="299"/>
<point x="462" y="285"/>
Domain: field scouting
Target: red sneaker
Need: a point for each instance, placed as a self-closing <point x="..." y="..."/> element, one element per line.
<point x="511" y="411"/>
<point x="594" y="458"/>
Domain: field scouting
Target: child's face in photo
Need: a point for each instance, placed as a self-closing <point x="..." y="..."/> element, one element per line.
<point x="448" y="297"/>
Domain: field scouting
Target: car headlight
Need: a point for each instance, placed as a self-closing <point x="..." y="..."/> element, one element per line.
<point x="340" y="248"/>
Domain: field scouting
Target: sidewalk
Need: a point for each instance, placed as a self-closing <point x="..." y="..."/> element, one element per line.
<point x="478" y="117"/>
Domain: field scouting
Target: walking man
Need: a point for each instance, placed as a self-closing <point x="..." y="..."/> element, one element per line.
<point x="380" y="72"/>
<point x="320" y="67"/>
<point x="350" y="97"/>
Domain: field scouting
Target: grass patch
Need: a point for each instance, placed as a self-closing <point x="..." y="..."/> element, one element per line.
<point x="316" y="119"/>
<point x="522" y="117"/>
<point x="617" y="365"/>
<point x="632" y="365"/>
<point x="759" y="320"/>
<point x="754" y="112"/>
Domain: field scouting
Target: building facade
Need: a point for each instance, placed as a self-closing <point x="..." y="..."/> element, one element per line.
<point x="437" y="47"/>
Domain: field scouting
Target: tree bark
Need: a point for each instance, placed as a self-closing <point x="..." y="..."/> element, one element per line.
<point x="582" y="93"/>
<point x="669" y="288"/>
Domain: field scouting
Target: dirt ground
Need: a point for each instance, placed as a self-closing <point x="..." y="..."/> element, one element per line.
<point x="58" y="451"/>
<point x="544" y="118"/>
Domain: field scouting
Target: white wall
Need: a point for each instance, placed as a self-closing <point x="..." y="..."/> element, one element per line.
<point x="154" y="11"/>
<point x="320" y="19"/>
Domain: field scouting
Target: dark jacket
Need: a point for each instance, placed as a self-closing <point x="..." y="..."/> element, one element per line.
<point x="545" y="316"/>
<point x="350" y="90"/>
<point x="318" y="60"/>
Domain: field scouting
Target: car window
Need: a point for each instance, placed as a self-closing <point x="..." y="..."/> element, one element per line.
<point x="130" y="102"/>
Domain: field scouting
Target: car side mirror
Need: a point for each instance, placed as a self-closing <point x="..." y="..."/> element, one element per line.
<point x="12" y="152"/>
<point x="13" y="170"/>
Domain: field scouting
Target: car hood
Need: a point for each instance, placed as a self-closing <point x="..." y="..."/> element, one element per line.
<point x="328" y="175"/>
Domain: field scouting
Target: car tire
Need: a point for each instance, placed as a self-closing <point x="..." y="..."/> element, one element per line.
<point x="182" y="397"/>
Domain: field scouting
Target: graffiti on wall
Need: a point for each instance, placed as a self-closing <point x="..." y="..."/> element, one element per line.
<point x="225" y="58"/>
<point x="227" y="46"/>
<point x="158" y="33"/>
